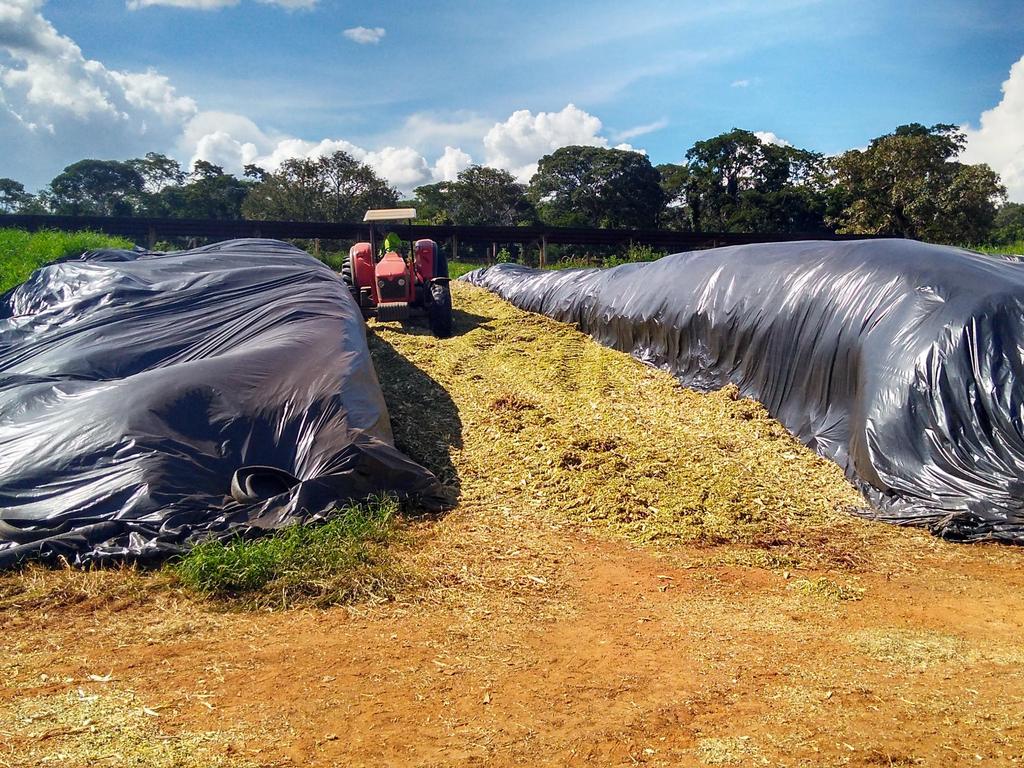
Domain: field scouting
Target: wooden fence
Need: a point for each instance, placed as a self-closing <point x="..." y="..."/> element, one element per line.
<point x="148" y="231"/>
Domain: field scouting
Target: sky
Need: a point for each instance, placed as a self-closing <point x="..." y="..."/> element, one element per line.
<point x="420" y="90"/>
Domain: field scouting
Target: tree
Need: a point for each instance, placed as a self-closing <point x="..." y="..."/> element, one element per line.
<point x="254" y="172"/>
<point x="596" y="187"/>
<point x="907" y="183"/>
<point x="1008" y="226"/>
<point x="209" y="194"/>
<point x="13" y="197"/>
<point x="484" y="195"/>
<point x="96" y="188"/>
<point x="431" y="202"/>
<point x="158" y="171"/>
<point x="721" y="167"/>
<point x="336" y="187"/>
<point x="204" y="169"/>
<point x="682" y="197"/>
<point x="479" y="196"/>
<point x="735" y="182"/>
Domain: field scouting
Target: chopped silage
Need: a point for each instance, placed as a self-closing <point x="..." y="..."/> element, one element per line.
<point x="78" y="727"/>
<point x="517" y="409"/>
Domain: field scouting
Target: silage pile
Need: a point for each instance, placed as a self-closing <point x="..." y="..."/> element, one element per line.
<point x="144" y="395"/>
<point x="523" y="412"/>
<point x="901" y="361"/>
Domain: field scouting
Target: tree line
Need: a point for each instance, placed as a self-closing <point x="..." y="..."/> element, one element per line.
<point x="907" y="183"/>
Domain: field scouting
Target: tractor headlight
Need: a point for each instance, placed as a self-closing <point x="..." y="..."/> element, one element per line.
<point x="401" y="281"/>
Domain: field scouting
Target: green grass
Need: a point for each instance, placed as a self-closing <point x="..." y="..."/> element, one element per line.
<point x="333" y="259"/>
<point x="632" y="254"/>
<point x="1011" y="249"/>
<point x="344" y="560"/>
<point x="457" y="269"/>
<point x="22" y="252"/>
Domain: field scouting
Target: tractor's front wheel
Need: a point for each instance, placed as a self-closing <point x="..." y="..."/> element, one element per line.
<point x="348" y="272"/>
<point x="348" y="277"/>
<point x="439" y="309"/>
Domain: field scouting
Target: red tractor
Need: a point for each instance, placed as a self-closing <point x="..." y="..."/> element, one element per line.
<point x="389" y="285"/>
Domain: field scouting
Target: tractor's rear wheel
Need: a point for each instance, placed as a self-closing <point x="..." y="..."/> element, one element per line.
<point x="439" y="309"/>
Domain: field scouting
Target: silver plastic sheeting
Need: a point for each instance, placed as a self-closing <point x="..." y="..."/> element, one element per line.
<point x="133" y="387"/>
<point x="900" y="361"/>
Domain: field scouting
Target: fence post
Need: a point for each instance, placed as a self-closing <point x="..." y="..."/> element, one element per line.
<point x="543" y="251"/>
<point x="151" y="237"/>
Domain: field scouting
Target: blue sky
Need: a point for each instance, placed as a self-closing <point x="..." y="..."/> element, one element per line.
<point x="258" y="80"/>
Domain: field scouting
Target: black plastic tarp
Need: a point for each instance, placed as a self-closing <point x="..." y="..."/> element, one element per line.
<point x="134" y="385"/>
<point x="902" y="362"/>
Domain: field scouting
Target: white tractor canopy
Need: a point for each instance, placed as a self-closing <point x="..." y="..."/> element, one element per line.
<point x="390" y="214"/>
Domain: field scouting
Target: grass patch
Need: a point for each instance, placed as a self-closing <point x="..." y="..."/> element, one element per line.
<point x="333" y="259"/>
<point x="344" y="560"/>
<point x="633" y="254"/>
<point x="1009" y="249"/>
<point x="22" y="252"/>
<point x="926" y="648"/>
<point x="457" y="269"/>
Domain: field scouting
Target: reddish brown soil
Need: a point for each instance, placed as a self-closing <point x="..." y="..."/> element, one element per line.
<point x="613" y="656"/>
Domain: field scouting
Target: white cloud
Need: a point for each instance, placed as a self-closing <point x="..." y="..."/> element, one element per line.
<point x="999" y="138"/>
<point x="431" y="130"/>
<point x="47" y="86"/>
<point x="153" y="91"/>
<point x="241" y="128"/>
<point x="740" y="84"/>
<point x="770" y="138"/>
<point x="402" y="166"/>
<point x="233" y="141"/>
<point x="450" y="163"/>
<point x="641" y="130"/>
<point x="520" y="141"/>
<point x="365" y="35"/>
<point x="288" y="148"/>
